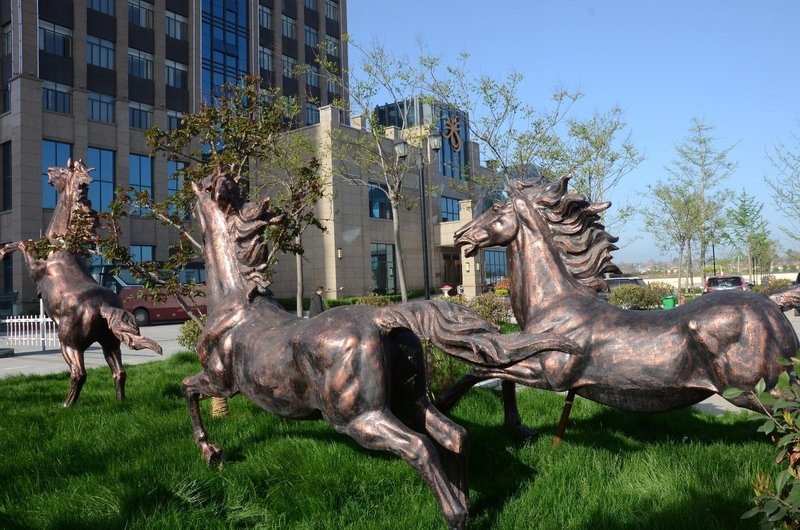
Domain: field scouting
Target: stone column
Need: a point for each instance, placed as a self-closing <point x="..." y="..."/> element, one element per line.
<point x="470" y="267"/>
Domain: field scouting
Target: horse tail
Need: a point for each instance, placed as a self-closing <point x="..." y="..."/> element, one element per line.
<point x="787" y="298"/>
<point x="123" y="324"/>
<point x="463" y="334"/>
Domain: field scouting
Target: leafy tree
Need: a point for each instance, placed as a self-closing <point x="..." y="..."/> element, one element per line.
<point x="244" y="130"/>
<point x="785" y="159"/>
<point x="367" y="157"/>
<point x="746" y="230"/>
<point x="702" y="167"/>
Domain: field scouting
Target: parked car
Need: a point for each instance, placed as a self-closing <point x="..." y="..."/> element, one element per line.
<point x="730" y="282"/>
<point x="613" y="283"/>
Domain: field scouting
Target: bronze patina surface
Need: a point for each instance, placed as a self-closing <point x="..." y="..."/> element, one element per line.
<point x="84" y="311"/>
<point x="644" y="361"/>
<point x="359" y="368"/>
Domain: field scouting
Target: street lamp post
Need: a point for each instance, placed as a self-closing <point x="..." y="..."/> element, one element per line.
<point x="401" y="149"/>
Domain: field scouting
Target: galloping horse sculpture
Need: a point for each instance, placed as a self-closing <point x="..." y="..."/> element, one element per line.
<point x="644" y="361"/>
<point x="84" y="311"/>
<point x="358" y="367"/>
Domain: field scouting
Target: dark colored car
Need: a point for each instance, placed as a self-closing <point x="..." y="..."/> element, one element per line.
<point x="730" y="282"/>
<point x="613" y="283"/>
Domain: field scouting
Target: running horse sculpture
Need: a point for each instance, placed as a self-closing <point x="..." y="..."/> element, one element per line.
<point x="358" y="367"/>
<point x="84" y="311"/>
<point x="645" y="361"/>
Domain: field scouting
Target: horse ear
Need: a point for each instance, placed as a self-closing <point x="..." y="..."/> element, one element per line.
<point x="69" y="163"/>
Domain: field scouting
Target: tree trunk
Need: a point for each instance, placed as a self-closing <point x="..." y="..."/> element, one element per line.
<point x="399" y="268"/>
<point x="298" y="260"/>
<point x="680" y="271"/>
<point x="689" y="263"/>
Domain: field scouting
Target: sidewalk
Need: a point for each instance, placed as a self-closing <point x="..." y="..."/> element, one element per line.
<point x="29" y="360"/>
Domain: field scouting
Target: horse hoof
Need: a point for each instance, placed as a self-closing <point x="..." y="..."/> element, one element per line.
<point x="525" y="434"/>
<point x="213" y="455"/>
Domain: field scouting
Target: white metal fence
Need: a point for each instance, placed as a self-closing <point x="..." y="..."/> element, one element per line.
<point x="31" y="330"/>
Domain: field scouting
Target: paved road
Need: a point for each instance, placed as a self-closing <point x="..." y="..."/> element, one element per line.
<point x="29" y="360"/>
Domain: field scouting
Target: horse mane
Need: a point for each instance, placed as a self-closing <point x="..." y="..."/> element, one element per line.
<point x="582" y="241"/>
<point x="246" y="222"/>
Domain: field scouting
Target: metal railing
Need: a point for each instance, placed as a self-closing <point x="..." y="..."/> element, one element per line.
<point x="31" y="330"/>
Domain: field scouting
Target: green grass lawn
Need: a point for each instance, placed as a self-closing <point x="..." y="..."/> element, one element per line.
<point x="103" y="464"/>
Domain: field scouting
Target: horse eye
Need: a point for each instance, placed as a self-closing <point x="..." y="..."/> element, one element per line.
<point x="495" y="207"/>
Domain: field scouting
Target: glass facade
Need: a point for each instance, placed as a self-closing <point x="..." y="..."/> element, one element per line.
<point x="101" y="190"/>
<point x="56" y="97"/>
<point x="140" y="13"/>
<point x="382" y="265"/>
<point x="225" y="38"/>
<point x="176" y="74"/>
<point x="100" y="52"/>
<point x="140" y="176"/>
<point x="454" y="156"/>
<point x="55" y="39"/>
<point x="140" y="115"/>
<point x="54" y="154"/>
<point x="141" y="253"/>
<point x="101" y="107"/>
<point x="140" y="64"/>
<point x="177" y="26"/>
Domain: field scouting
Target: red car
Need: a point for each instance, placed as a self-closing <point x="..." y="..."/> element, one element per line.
<point x="730" y="282"/>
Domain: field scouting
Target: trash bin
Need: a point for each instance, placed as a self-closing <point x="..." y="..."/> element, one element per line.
<point x="668" y="302"/>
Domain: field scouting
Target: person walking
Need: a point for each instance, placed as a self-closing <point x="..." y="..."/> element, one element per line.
<point x="317" y="305"/>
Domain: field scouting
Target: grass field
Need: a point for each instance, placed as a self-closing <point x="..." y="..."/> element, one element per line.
<point x="103" y="464"/>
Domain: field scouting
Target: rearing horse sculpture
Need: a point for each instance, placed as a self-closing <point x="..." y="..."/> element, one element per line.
<point x="644" y="361"/>
<point x="84" y="311"/>
<point x="358" y="367"/>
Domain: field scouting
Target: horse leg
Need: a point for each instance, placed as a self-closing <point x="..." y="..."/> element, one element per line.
<point x="454" y="439"/>
<point x="381" y="430"/>
<point x="512" y="419"/>
<point x="77" y="372"/>
<point x="113" y="356"/>
<point x="195" y="386"/>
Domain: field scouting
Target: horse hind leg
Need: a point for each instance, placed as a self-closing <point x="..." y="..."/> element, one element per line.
<point x="113" y="356"/>
<point x="77" y="372"/>
<point x="381" y="430"/>
<point x="195" y="386"/>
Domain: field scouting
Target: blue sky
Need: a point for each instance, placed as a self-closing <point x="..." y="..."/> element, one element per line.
<point x="734" y="63"/>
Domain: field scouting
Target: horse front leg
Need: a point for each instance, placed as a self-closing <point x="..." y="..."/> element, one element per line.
<point x="195" y="386"/>
<point x="512" y="419"/>
<point x="77" y="372"/>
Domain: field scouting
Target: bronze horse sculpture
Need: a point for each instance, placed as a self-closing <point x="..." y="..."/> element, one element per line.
<point x="645" y="361"/>
<point x="84" y="311"/>
<point x="359" y="368"/>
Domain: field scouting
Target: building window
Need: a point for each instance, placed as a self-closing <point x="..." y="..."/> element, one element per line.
<point x="176" y="74"/>
<point x="174" y="180"/>
<point x="140" y="64"/>
<point x="312" y="114"/>
<point x="5" y="40"/>
<point x="289" y="65"/>
<point x="332" y="46"/>
<point x="140" y="177"/>
<point x="5" y="168"/>
<point x="288" y="27"/>
<point x="451" y="210"/>
<point x="331" y="87"/>
<point x="140" y="13"/>
<point x="56" y="97"/>
<point x="173" y="119"/>
<point x="5" y="98"/>
<point x="177" y="26"/>
<point x="379" y="206"/>
<point x="331" y="9"/>
<point x="54" y="154"/>
<point x="140" y="115"/>
<point x="494" y="265"/>
<point x="312" y="36"/>
<point x="454" y="156"/>
<point x="55" y="39"/>
<point x="382" y="265"/>
<point x="265" y="58"/>
<point x="312" y="76"/>
<point x="101" y="107"/>
<point x="311" y="4"/>
<point x="103" y="6"/>
<point x="100" y="52"/>
<point x="264" y="17"/>
<point x="101" y="189"/>
<point x="140" y="253"/>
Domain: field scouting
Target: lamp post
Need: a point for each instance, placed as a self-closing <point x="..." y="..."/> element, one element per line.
<point x="401" y="149"/>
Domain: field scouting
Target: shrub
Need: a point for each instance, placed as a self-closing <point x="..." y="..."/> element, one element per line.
<point x="189" y="333"/>
<point x="441" y="370"/>
<point x="489" y="306"/>
<point x="375" y="300"/>
<point x="661" y="289"/>
<point x="634" y="297"/>
<point x="775" y="284"/>
<point x="501" y="292"/>
<point x="778" y="494"/>
<point x="503" y="284"/>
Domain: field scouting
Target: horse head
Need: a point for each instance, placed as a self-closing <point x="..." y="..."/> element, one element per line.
<point x="497" y="226"/>
<point x="74" y="178"/>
